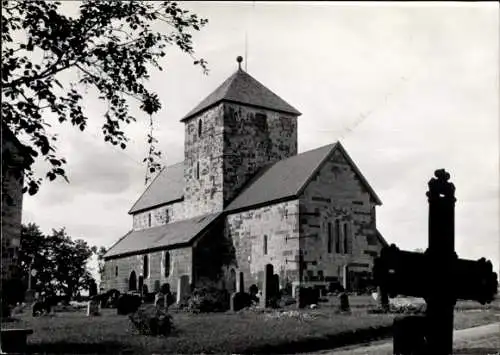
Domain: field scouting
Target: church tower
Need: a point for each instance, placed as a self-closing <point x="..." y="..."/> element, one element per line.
<point x="232" y="134"/>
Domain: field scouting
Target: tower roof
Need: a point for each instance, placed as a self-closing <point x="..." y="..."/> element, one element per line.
<point x="242" y="88"/>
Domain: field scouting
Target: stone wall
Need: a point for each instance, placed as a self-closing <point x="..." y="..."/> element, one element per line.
<point x="246" y="231"/>
<point x="254" y="138"/>
<point x="170" y="213"/>
<point x="181" y="263"/>
<point x="336" y="196"/>
<point x="203" y="163"/>
<point x="12" y="202"/>
<point x="234" y="142"/>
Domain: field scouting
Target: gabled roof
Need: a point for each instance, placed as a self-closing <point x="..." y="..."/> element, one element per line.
<point x="288" y="178"/>
<point x="243" y="89"/>
<point x="280" y="180"/>
<point x="161" y="237"/>
<point x="167" y="186"/>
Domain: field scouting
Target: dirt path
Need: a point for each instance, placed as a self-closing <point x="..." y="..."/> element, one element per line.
<point x="484" y="339"/>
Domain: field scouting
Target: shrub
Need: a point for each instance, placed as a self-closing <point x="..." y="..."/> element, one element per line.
<point x="208" y="299"/>
<point x="109" y="299"/>
<point x="128" y="303"/>
<point x="150" y="320"/>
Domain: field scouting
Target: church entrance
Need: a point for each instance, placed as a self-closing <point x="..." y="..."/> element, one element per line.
<point x="132" y="282"/>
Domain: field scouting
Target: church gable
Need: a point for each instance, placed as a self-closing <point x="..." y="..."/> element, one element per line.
<point x="337" y="218"/>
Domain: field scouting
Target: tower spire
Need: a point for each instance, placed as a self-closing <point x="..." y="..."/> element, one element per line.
<point x="239" y="59"/>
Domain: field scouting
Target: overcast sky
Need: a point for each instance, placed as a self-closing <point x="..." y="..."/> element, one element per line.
<point x="406" y="88"/>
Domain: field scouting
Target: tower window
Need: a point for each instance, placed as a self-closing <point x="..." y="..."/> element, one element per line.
<point x="265" y="244"/>
<point x="197" y="170"/>
<point x="116" y="271"/>
<point x="200" y="128"/>
<point x="149" y="219"/>
<point x="167" y="215"/>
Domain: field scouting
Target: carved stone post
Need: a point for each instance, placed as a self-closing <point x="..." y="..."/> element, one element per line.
<point x="441" y="255"/>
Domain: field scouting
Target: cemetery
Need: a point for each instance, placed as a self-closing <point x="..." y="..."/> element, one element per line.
<point x="419" y="310"/>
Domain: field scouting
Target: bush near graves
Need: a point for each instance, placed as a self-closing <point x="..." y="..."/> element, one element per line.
<point x="208" y="299"/>
<point x="128" y="303"/>
<point x="151" y="320"/>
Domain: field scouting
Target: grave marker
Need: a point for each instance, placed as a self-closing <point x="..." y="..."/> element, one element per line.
<point x="267" y="286"/>
<point x="183" y="288"/>
<point x="441" y="277"/>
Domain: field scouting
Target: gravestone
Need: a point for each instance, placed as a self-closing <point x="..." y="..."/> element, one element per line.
<point x="183" y="288"/>
<point x="92" y="288"/>
<point x="276" y="285"/>
<point x="92" y="307"/>
<point x="344" y="302"/>
<point x="441" y="277"/>
<point x="267" y="286"/>
<point x="240" y="287"/>
<point x="156" y="287"/>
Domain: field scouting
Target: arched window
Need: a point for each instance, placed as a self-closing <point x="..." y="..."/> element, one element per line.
<point x="132" y="282"/>
<point x="145" y="266"/>
<point x="337" y="236"/>
<point x="167" y="215"/>
<point x="330" y="238"/>
<point x="116" y="271"/>
<point x="346" y="238"/>
<point x="200" y="128"/>
<point x="265" y="244"/>
<point x="166" y="264"/>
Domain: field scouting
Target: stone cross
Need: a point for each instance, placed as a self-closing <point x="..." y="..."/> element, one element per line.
<point x="437" y="275"/>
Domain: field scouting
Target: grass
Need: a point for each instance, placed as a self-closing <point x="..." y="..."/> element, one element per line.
<point x="245" y="332"/>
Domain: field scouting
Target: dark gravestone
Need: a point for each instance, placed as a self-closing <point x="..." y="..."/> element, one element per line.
<point x="240" y="287"/>
<point x="267" y="286"/>
<point x="441" y="277"/>
<point x="92" y="288"/>
<point x="240" y="300"/>
<point x="344" y="302"/>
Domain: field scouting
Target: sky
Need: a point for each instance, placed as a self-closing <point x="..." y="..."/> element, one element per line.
<point x="406" y="88"/>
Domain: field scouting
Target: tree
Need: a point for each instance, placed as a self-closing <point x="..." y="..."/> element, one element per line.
<point x="60" y="262"/>
<point x="110" y="45"/>
<point x="100" y="258"/>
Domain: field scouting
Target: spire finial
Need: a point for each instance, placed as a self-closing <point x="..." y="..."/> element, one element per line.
<point x="239" y="59"/>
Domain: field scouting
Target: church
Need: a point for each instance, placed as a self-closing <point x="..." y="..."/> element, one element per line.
<point x="244" y="198"/>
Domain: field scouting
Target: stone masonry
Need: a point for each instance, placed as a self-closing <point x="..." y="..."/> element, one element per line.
<point x="335" y="202"/>
<point x="12" y="201"/>
<point x="279" y="224"/>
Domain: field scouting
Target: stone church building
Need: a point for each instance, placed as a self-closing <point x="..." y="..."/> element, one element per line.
<point x="243" y="198"/>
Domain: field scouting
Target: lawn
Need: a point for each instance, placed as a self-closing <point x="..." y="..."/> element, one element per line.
<point x="245" y="332"/>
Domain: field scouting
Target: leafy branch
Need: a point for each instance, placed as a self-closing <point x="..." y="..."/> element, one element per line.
<point x="112" y="47"/>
